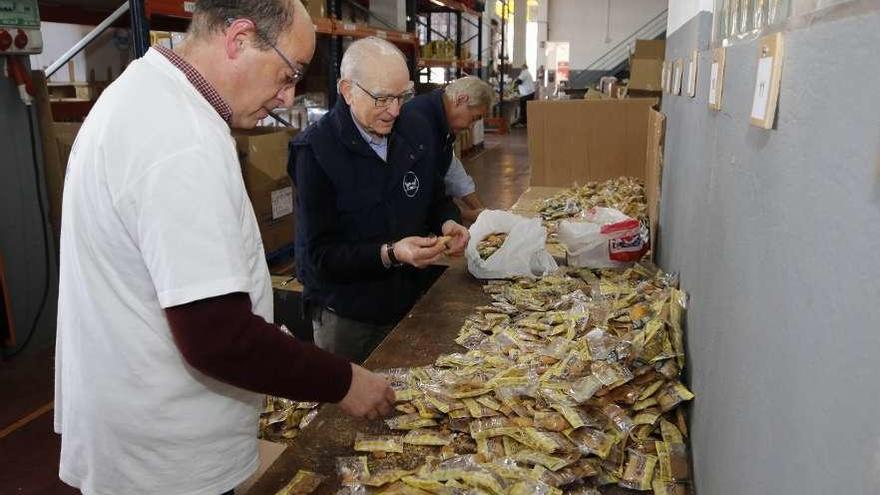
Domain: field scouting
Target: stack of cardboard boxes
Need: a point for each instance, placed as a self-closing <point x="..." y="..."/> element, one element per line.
<point x="646" y="67"/>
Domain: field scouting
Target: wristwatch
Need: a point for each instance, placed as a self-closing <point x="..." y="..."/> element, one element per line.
<point x="389" y="250"/>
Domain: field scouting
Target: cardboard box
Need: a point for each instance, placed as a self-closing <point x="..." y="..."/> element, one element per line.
<point x="646" y="65"/>
<point x="316" y="8"/>
<point x="577" y="141"/>
<point x="655" y="49"/>
<point x="263" y="156"/>
<point x="645" y="73"/>
<point x="583" y="140"/>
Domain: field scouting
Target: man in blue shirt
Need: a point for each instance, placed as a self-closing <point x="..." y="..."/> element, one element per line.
<point x="449" y="111"/>
<point x="370" y="202"/>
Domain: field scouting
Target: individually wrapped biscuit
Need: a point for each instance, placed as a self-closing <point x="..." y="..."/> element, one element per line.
<point x="378" y="443"/>
<point x="584" y="388"/>
<point x="423" y="436"/>
<point x="303" y="483"/>
<point x="553" y="463"/>
<point x="386" y="477"/>
<point x="593" y="441"/>
<point x="352" y="470"/>
<point x="618" y="417"/>
<point x="409" y="422"/>
<point x="672" y="395"/>
<point x="673" y="461"/>
<point x="639" y="471"/>
<point x="670" y="488"/>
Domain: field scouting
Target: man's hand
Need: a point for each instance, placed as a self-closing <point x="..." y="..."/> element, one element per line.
<point x="419" y="251"/>
<point x="369" y="396"/>
<point x="460" y="237"/>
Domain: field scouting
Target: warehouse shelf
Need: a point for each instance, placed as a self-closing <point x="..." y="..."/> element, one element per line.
<point x="445" y="6"/>
<point x="359" y="30"/>
<point x="461" y="13"/>
<point x="453" y="64"/>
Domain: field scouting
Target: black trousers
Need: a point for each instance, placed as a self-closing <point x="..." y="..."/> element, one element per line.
<point x="523" y="117"/>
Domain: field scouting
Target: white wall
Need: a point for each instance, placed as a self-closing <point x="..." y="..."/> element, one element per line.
<point x="681" y="11"/>
<point x="100" y="54"/>
<point x="583" y="24"/>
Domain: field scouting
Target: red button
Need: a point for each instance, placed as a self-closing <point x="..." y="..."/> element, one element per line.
<point x="5" y="40"/>
<point x="21" y="40"/>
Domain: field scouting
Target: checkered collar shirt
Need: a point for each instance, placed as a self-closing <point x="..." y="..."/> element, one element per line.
<point x="201" y="84"/>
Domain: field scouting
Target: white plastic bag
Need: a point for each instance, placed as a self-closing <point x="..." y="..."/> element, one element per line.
<point x="603" y="238"/>
<point x="522" y="254"/>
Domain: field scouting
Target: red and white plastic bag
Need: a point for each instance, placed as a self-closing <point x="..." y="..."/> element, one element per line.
<point x="603" y="238"/>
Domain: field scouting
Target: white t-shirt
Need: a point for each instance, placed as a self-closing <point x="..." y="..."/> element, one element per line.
<point x="155" y="215"/>
<point x="527" y="83"/>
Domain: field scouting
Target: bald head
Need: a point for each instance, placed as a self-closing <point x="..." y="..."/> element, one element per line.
<point x="373" y="68"/>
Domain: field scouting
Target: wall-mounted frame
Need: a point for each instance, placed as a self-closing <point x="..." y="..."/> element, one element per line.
<point x="768" y="77"/>
<point x="692" y="74"/>
<point x="676" y="76"/>
<point x="716" y="78"/>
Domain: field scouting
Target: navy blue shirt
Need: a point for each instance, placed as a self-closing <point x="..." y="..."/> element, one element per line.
<point x="430" y="107"/>
<point x="350" y="202"/>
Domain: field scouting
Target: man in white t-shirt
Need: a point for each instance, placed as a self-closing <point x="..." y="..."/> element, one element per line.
<point x="164" y="343"/>
<point x="526" y="85"/>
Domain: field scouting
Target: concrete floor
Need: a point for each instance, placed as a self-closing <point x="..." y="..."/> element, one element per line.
<point x="29" y="449"/>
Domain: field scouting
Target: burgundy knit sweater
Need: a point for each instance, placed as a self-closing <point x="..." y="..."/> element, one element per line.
<point x="222" y="338"/>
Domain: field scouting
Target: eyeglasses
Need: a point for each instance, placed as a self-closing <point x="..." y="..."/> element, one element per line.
<point x="383" y="101"/>
<point x="298" y="69"/>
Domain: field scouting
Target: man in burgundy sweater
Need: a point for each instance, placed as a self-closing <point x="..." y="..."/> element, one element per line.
<point x="164" y="337"/>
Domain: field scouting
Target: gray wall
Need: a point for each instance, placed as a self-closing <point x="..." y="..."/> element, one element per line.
<point x="776" y="235"/>
<point x="21" y="240"/>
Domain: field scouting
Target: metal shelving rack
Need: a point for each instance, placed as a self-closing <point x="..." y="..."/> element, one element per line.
<point x="174" y="15"/>
<point x="462" y="13"/>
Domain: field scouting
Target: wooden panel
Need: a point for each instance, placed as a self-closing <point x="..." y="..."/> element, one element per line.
<point x="654" y="173"/>
<point x="583" y="140"/>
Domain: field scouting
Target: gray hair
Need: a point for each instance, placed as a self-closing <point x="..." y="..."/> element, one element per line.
<point x="479" y="92"/>
<point x="355" y="57"/>
<point x="271" y="17"/>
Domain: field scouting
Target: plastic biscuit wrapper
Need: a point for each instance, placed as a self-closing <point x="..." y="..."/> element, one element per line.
<point x="378" y="443"/>
<point x="533" y="487"/>
<point x="670" y="488"/>
<point x="427" y="437"/>
<point x="551" y="421"/>
<point x="670" y="432"/>
<point x="386" y="477"/>
<point x="584" y="388"/>
<point x="400" y="488"/>
<point x="672" y="395"/>
<point x="639" y="471"/>
<point x="409" y="422"/>
<point x="619" y="418"/>
<point x="303" y="483"/>
<point x="352" y="470"/>
<point x="593" y="441"/>
<point x="553" y="463"/>
<point x="673" y="461"/>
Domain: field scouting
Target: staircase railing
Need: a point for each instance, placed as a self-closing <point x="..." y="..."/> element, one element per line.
<point x="622" y="50"/>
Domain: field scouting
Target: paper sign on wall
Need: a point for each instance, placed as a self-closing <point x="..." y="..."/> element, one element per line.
<point x="676" y="77"/>
<point x="664" y="76"/>
<point x="282" y="202"/>
<point x="716" y="79"/>
<point x="767" y="81"/>
<point x="692" y="76"/>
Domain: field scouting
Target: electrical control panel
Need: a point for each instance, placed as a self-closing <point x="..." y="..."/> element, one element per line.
<point x="20" y="27"/>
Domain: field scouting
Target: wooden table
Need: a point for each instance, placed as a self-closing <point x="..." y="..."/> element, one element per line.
<point x="424" y="334"/>
<point x="428" y="331"/>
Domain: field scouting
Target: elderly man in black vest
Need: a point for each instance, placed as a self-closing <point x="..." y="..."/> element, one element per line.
<point x="370" y="205"/>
